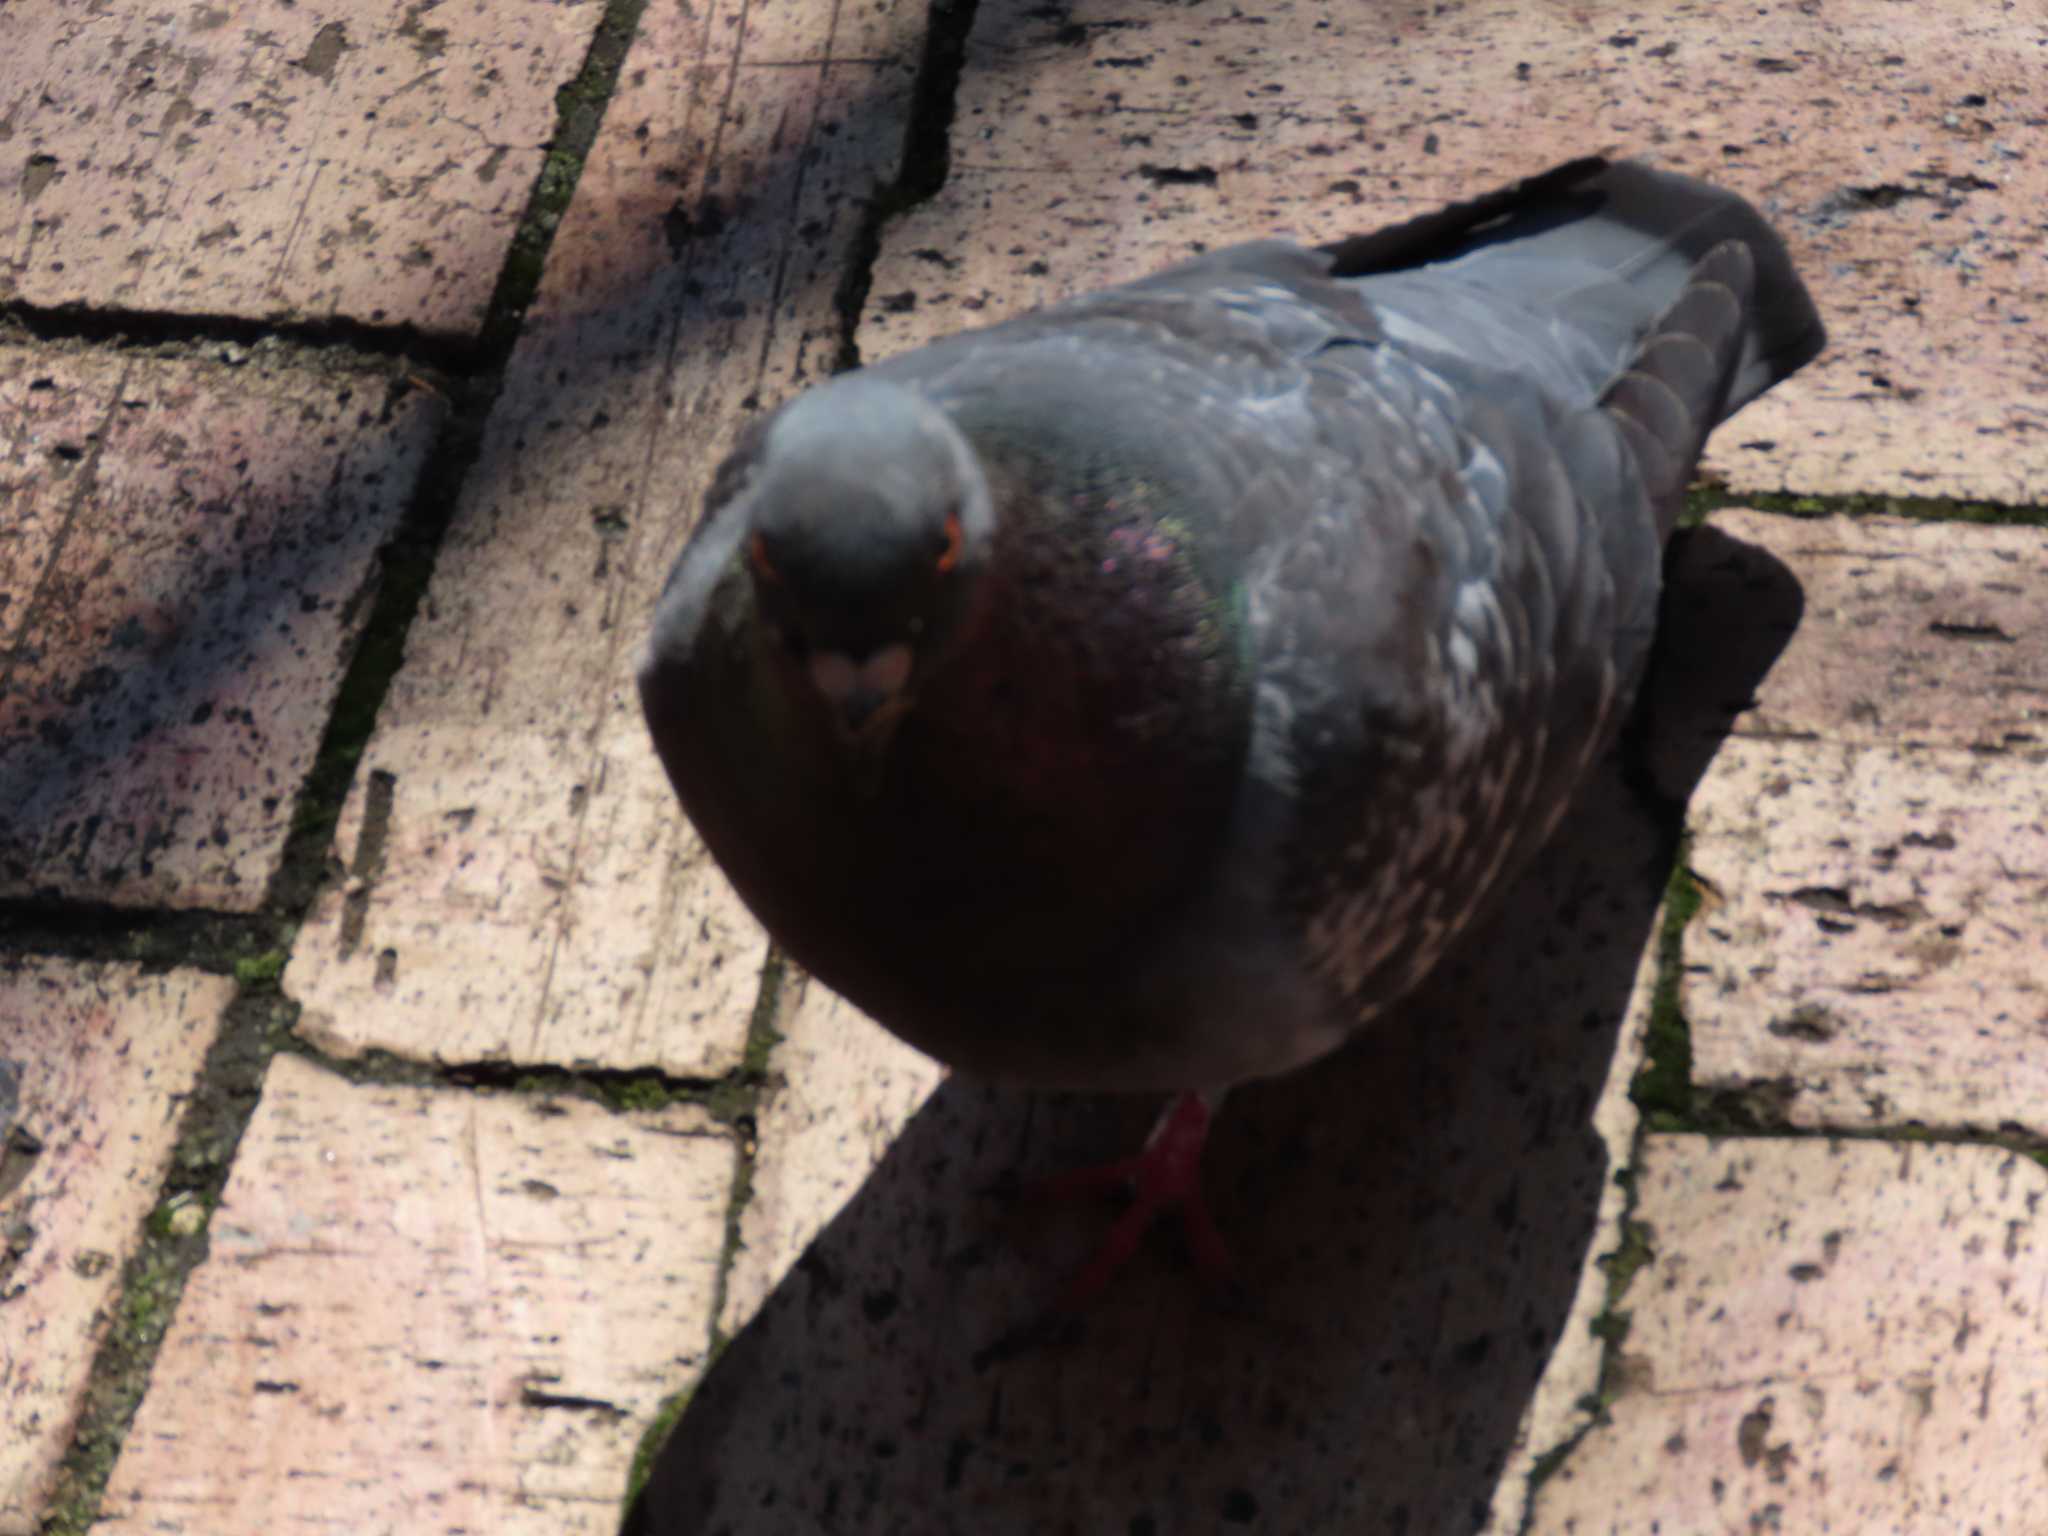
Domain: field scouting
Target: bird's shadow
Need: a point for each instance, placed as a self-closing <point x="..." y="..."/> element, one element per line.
<point x="1412" y="1219"/>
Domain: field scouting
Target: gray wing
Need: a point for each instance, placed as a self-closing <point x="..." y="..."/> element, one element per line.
<point x="1447" y="664"/>
<point x="1463" y="624"/>
<point x="1447" y="491"/>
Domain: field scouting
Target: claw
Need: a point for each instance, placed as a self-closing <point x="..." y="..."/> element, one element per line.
<point x="1166" y="1174"/>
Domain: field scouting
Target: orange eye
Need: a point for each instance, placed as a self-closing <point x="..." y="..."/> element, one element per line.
<point x="757" y="552"/>
<point x="950" y="555"/>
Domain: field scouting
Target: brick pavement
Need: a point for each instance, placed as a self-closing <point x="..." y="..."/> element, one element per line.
<point x="549" y="1140"/>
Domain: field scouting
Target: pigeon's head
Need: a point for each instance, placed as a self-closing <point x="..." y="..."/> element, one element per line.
<point x="870" y="527"/>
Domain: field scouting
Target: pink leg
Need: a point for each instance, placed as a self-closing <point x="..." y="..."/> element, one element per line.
<point x="1166" y="1174"/>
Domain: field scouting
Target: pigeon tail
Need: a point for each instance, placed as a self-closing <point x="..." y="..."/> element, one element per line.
<point x="1680" y="225"/>
<point x="1603" y="252"/>
<point x="1677" y="385"/>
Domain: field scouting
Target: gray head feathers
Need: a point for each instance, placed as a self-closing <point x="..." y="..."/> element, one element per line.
<point x="868" y="517"/>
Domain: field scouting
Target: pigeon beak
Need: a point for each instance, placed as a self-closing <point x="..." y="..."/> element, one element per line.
<point x="868" y="695"/>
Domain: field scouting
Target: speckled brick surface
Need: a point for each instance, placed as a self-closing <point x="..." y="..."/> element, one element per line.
<point x="276" y="161"/>
<point x="188" y="558"/>
<point x="1828" y="1337"/>
<point x="103" y="1058"/>
<point x="1872" y="946"/>
<point x="429" y="1310"/>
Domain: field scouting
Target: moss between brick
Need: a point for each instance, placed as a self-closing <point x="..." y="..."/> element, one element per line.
<point x="922" y="171"/>
<point x="735" y="1101"/>
<point x="400" y="583"/>
<point x="666" y="1419"/>
<point x="1663" y="1095"/>
<point x="1662" y="1089"/>
<point x="1707" y="498"/>
<point x="261" y="970"/>
<point x="174" y="1240"/>
<point x="579" y="112"/>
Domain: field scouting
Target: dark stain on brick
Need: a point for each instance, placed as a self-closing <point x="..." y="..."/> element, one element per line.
<point x="1809" y="1022"/>
<point x="1179" y="175"/>
<point x="40" y="171"/>
<point x="324" y="52"/>
<point x="683" y="223"/>
<point x="1989" y="632"/>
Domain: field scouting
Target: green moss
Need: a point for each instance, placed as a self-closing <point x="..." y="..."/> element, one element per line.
<point x="1710" y="498"/>
<point x="579" y="112"/>
<point x="397" y="588"/>
<point x="1546" y="1465"/>
<point x="261" y="971"/>
<point x="151" y="1285"/>
<point x="737" y="1200"/>
<point x="666" y="1419"/>
<point x="180" y="1216"/>
<point x="642" y="1094"/>
<point x="742" y="1093"/>
<point x="1628" y="1259"/>
<point x="1611" y="1328"/>
<point x="762" y="1035"/>
<point x="1662" y="1089"/>
<point x="216" y="942"/>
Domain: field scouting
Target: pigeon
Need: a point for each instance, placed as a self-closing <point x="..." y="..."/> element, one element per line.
<point x="1144" y="692"/>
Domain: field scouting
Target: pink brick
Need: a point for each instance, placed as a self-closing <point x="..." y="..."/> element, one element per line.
<point x="1873" y="945"/>
<point x="1830" y="1336"/>
<point x="106" y="1058"/>
<point x="429" y="1310"/>
<point x="270" y="160"/>
<point x="193" y="545"/>
<point x="1925" y="633"/>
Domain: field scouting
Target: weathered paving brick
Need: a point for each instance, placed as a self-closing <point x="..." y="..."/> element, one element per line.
<point x="103" y="1058"/>
<point x="1828" y="1336"/>
<point x="186" y="564"/>
<point x="1899" y="148"/>
<point x="1872" y="948"/>
<point x="428" y="1309"/>
<point x="264" y="159"/>
<point x="844" y="1089"/>
<point x="521" y="884"/>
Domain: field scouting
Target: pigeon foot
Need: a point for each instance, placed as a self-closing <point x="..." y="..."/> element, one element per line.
<point x="1164" y="1175"/>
